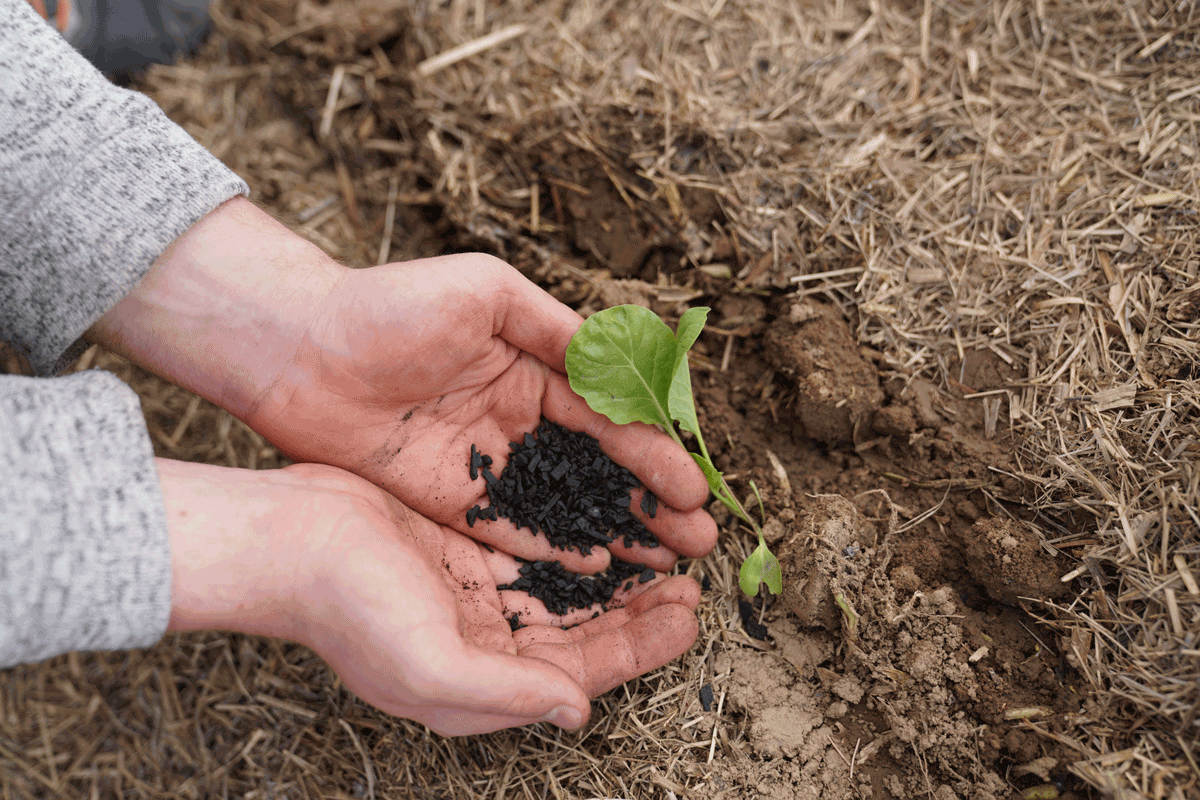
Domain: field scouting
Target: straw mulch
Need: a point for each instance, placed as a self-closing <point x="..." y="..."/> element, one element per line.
<point x="1011" y="177"/>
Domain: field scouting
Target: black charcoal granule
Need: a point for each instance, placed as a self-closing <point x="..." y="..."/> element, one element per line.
<point x="514" y="622"/>
<point x="649" y="504"/>
<point x="706" y="697"/>
<point x="475" y="464"/>
<point x="558" y="482"/>
<point x="646" y="576"/>
<point x="752" y="626"/>
<point x="561" y="590"/>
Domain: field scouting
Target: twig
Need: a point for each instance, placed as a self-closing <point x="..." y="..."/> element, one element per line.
<point x="466" y="50"/>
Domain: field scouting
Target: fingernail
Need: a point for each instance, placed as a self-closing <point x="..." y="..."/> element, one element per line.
<point x="565" y="717"/>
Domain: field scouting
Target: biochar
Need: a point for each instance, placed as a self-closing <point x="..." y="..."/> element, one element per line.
<point x="558" y="482"/>
<point x="561" y="590"/>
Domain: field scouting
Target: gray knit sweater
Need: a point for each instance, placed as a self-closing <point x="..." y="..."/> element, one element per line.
<point x="95" y="182"/>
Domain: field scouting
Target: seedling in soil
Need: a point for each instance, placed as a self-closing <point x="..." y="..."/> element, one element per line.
<point x="848" y="612"/>
<point x="628" y="365"/>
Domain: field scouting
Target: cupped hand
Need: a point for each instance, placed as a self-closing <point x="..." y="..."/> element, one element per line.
<point x="391" y="372"/>
<point x="405" y="610"/>
<point x="409" y="365"/>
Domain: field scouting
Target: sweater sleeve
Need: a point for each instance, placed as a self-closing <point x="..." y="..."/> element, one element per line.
<point x="85" y="561"/>
<point x="95" y="183"/>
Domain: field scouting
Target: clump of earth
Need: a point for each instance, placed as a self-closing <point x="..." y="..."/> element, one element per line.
<point x="1008" y="561"/>
<point x="871" y="689"/>
<point x="838" y="390"/>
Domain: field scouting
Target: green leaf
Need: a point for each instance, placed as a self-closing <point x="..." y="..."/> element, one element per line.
<point x="621" y="362"/>
<point x="680" y="401"/>
<point x="761" y="566"/>
<point x="688" y="330"/>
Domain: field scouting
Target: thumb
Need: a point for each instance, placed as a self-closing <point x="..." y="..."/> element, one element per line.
<point x="491" y="690"/>
<point x="532" y="319"/>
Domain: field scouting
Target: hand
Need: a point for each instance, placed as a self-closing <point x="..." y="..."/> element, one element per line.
<point x="391" y="372"/>
<point x="406" y="611"/>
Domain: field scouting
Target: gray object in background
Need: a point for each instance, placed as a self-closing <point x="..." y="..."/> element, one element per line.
<point x="121" y="37"/>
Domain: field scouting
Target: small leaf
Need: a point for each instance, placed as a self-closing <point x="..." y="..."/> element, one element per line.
<point x="680" y="402"/>
<point x="751" y="573"/>
<point x="760" y="567"/>
<point x="773" y="574"/>
<point x="688" y="330"/>
<point x="621" y="361"/>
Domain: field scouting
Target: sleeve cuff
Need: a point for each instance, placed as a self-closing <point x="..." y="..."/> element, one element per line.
<point x="85" y="559"/>
<point x="97" y="183"/>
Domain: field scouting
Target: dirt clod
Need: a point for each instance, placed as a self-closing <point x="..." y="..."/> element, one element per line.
<point x="895" y="421"/>
<point x="1007" y="559"/>
<point x="838" y="390"/>
<point x="824" y="542"/>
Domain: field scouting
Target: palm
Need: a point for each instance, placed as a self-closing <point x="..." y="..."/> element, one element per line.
<point x="432" y="619"/>
<point x="415" y="363"/>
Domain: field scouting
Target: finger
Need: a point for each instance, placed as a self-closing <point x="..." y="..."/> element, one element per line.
<point x="529" y="318"/>
<point x="608" y="658"/>
<point x="675" y="589"/>
<point x="517" y="690"/>
<point x="688" y="533"/>
<point x="648" y="453"/>
<point x="531" y="610"/>
<point x="503" y="536"/>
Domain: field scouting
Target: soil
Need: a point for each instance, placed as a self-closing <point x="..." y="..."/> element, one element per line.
<point x="902" y="655"/>
<point x="560" y="482"/>
<point x="895" y="651"/>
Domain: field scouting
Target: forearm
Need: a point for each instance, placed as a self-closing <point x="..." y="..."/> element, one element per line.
<point x="222" y="311"/>
<point x="233" y="532"/>
<point x="95" y="182"/>
<point x="84" y="551"/>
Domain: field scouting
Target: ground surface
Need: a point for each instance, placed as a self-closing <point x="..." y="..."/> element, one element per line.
<point x="918" y="693"/>
<point x="950" y="249"/>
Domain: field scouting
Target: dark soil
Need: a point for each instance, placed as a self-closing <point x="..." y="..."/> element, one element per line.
<point x="561" y="483"/>
<point x="561" y="590"/>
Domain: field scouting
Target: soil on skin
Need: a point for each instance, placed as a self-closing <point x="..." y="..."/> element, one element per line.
<point x="902" y="646"/>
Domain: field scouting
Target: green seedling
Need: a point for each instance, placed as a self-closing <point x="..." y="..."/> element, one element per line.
<point x="849" y="612"/>
<point x="628" y="365"/>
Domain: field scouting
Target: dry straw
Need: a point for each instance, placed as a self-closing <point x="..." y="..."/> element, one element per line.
<point x="1011" y="177"/>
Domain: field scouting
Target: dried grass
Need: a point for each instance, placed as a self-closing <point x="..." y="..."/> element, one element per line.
<point x="1011" y="177"/>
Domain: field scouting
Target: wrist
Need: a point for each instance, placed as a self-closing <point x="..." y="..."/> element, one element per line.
<point x="233" y="564"/>
<point x="223" y="309"/>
